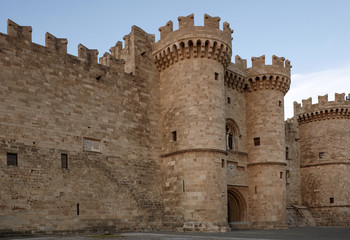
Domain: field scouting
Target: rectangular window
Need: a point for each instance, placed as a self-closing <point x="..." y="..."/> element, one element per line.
<point x="230" y="141"/>
<point x="321" y="155"/>
<point x="331" y="200"/>
<point x="287" y="153"/>
<point x="216" y="76"/>
<point x="281" y="175"/>
<point x="12" y="159"/>
<point x="257" y="141"/>
<point x="228" y="100"/>
<point x="64" y="160"/>
<point x="222" y="163"/>
<point x="280" y="103"/>
<point x="91" y="145"/>
<point x="174" y="136"/>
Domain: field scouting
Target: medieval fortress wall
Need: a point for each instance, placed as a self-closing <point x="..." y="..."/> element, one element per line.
<point x="166" y="135"/>
<point x="325" y="158"/>
<point x="53" y="103"/>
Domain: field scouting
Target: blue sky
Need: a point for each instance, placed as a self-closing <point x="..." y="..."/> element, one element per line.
<point x="313" y="34"/>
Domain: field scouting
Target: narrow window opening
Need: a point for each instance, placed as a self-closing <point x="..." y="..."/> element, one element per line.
<point x="257" y="141"/>
<point x="321" y="155"/>
<point x="229" y="100"/>
<point x="230" y="141"/>
<point x="216" y="76"/>
<point x="12" y="159"/>
<point x="183" y="185"/>
<point x="279" y="103"/>
<point x="256" y="190"/>
<point x="174" y="136"/>
<point x="78" y="209"/>
<point x="222" y="163"/>
<point x="64" y="160"/>
<point x="331" y="200"/>
<point x="281" y="175"/>
<point x="287" y="153"/>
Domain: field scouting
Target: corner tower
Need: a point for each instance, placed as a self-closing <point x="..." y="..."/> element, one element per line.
<point x="324" y="158"/>
<point x="266" y="87"/>
<point x="191" y="63"/>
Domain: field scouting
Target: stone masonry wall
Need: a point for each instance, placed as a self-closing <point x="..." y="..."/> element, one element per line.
<point x="50" y="103"/>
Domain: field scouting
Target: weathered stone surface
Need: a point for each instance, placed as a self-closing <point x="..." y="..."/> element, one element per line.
<point x="163" y="135"/>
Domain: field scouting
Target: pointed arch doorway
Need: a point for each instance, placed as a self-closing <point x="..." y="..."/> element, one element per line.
<point x="237" y="208"/>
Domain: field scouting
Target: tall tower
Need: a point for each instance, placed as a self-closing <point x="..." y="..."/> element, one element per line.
<point x="267" y="85"/>
<point x="324" y="158"/>
<point x="192" y="62"/>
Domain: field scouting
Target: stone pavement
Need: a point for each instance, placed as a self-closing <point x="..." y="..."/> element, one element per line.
<point x="314" y="233"/>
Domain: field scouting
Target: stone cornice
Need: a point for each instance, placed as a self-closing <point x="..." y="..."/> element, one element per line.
<point x="190" y="48"/>
<point x="194" y="150"/>
<point x="325" y="114"/>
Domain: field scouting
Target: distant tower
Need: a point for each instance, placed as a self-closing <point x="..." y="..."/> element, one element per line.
<point x="324" y="131"/>
<point x="267" y="85"/>
<point x="192" y="62"/>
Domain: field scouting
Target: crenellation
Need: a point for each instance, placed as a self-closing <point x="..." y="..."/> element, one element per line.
<point x="116" y="51"/>
<point x="192" y="140"/>
<point x="323" y="110"/>
<point x="56" y="44"/>
<point x="322" y="100"/>
<point x="21" y="32"/>
<point x="90" y="55"/>
<point x="113" y="63"/>
<point x="258" y="61"/>
<point x="213" y="22"/>
<point x="166" y="29"/>
<point x="278" y="61"/>
<point x="187" y="21"/>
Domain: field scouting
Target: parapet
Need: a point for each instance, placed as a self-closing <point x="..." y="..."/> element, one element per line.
<point x="90" y="55"/>
<point x="275" y="76"/>
<point x="279" y="66"/>
<point x="191" y="41"/>
<point x="324" y="109"/>
<point x="56" y="44"/>
<point x="21" y="32"/>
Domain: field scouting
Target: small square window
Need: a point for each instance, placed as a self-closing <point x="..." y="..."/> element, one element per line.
<point x="229" y="100"/>
<point x="257" y="141"/>
<point x="174" y="136"/>
<point x="321" y="155"/>
<point x="12" y="159"/>
<point x="64" y="160"/>
<point x="216" y="76"/>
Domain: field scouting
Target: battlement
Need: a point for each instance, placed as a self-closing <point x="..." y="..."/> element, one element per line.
<point x="116" y="60"/>
<point x="21" y="32"/>
<point x="324" y="109"/>
<point x="58" y="45"/>
<point x="279" y="66"/>
<point x="275" y="76"/>
<point x="191" y="41"/>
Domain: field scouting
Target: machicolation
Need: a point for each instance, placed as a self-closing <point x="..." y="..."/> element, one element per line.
<point x="166" y="135"/>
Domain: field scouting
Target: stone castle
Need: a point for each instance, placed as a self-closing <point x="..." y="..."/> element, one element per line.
<point x="166" y="135"/>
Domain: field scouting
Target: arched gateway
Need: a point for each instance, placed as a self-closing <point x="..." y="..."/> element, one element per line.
<point x="237" y="208"/>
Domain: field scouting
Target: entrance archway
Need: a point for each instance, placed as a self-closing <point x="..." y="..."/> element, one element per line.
<point x="237" y="208"/>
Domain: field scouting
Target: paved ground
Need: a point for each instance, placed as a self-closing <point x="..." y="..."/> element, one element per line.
<point x="316" y="233"/>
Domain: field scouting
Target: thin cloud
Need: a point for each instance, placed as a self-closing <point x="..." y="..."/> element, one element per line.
<point x="317" y="84"/>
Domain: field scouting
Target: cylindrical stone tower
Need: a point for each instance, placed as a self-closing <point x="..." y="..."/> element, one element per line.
<point x="267" y="85"/>
<point x="192" y="62"/>
<point x="325" y="158"/>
